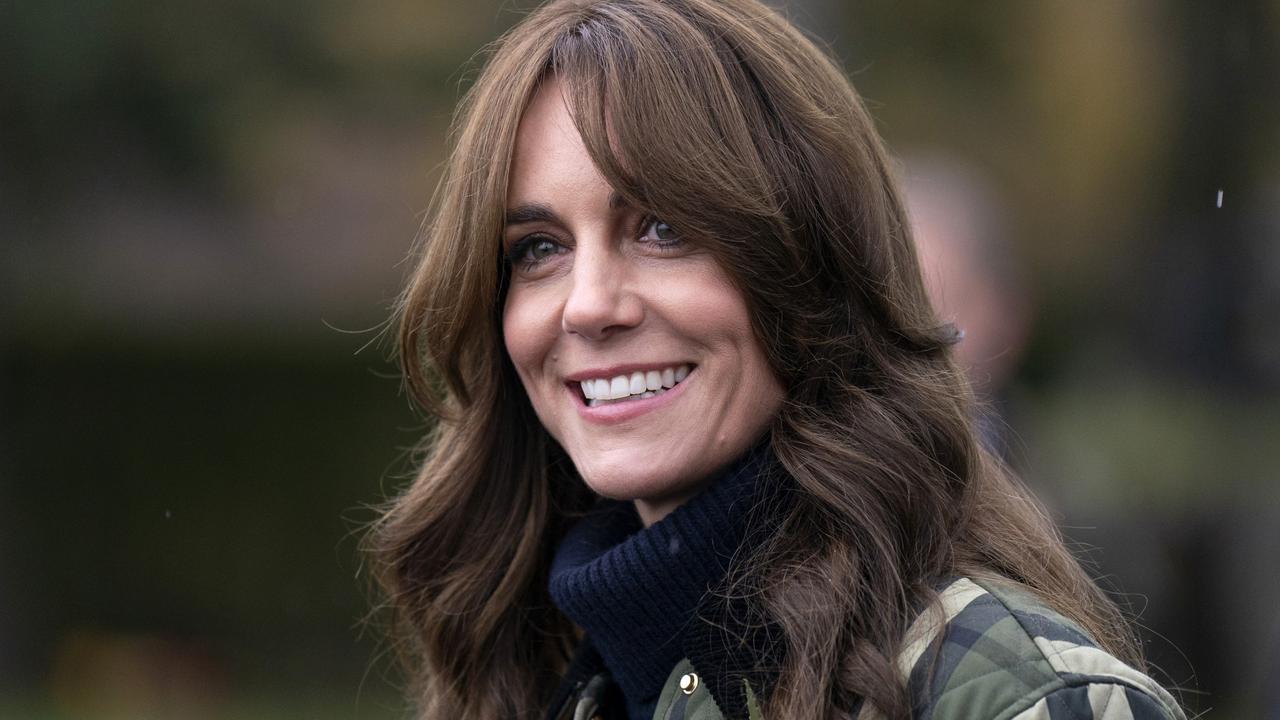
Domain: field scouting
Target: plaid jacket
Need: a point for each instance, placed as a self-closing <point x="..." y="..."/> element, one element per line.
<point x="993" y="651"/>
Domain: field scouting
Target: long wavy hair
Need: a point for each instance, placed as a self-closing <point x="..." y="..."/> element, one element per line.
<point x="733" y="127"/>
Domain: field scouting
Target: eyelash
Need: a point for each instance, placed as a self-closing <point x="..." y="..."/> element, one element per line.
<point x="518" y="255"/>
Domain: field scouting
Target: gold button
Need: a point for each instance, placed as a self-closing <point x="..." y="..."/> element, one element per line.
<point x="688" y="683"/>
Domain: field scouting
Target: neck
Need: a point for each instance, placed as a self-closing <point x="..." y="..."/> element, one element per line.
<point x="652" y="511"/>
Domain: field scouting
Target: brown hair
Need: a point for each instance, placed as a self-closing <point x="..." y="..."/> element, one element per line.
<point x="734" y="128"/>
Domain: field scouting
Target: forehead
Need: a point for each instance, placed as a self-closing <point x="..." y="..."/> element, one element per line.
<point x="549" y="153"/>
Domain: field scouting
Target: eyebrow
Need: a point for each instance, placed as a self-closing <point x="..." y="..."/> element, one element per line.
<point x="531" y="213"/>
<point x="538" y="212"/>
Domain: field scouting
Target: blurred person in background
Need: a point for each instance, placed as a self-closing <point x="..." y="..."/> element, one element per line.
<point x="972" y="275"/>
<point x="703" y="449"/>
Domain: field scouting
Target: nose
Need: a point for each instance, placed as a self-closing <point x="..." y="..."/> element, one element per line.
<point x="601" y="299"/>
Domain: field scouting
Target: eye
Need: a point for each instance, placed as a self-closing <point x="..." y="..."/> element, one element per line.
<point x="533" y="250"/>
<point x="540" y="249"/>
<point x="660" y="233"/>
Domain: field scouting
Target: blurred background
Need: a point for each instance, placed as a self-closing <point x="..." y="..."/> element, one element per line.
<point x="204" y="214"/>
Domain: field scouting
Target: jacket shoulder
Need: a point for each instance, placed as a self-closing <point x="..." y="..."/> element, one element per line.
<point x="991" y="649"/>
<point x="986" y="649"/>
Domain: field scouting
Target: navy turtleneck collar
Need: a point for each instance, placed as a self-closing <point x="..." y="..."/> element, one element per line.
<point x="635" y="590"/>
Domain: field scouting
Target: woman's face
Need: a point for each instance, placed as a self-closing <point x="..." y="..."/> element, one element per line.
<point x="635" y="349"/>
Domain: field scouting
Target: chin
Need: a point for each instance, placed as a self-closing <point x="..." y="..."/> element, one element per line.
<point x="634" y="479"/>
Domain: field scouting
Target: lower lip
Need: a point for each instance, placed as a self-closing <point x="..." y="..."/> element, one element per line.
<point x="623" y="411"/>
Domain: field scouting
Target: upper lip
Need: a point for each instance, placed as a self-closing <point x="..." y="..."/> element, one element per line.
<point x="612" y="371"/>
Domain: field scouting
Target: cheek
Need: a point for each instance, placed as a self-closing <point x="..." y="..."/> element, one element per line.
<point x="713" y="309"/>
<point x="720" y="316"/>
<point x="529" y="334"/>
<point x="521" y="335"/>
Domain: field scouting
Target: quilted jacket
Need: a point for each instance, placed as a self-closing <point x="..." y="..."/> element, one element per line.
<point x="993" y="651"/>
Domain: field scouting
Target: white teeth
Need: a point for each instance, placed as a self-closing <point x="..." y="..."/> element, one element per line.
<point x="639" y="384"/>
<point x="596" y="402"/>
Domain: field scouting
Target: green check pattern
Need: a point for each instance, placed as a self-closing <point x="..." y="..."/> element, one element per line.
<point x="989" y="649"/>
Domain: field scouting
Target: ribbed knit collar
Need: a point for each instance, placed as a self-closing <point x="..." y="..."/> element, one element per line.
<point x="635" y="590"/>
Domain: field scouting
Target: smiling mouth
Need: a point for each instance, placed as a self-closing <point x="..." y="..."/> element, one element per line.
<point x="634" y="386"/>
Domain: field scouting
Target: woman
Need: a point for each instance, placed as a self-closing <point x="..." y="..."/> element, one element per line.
<point x="702" y="450"/>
